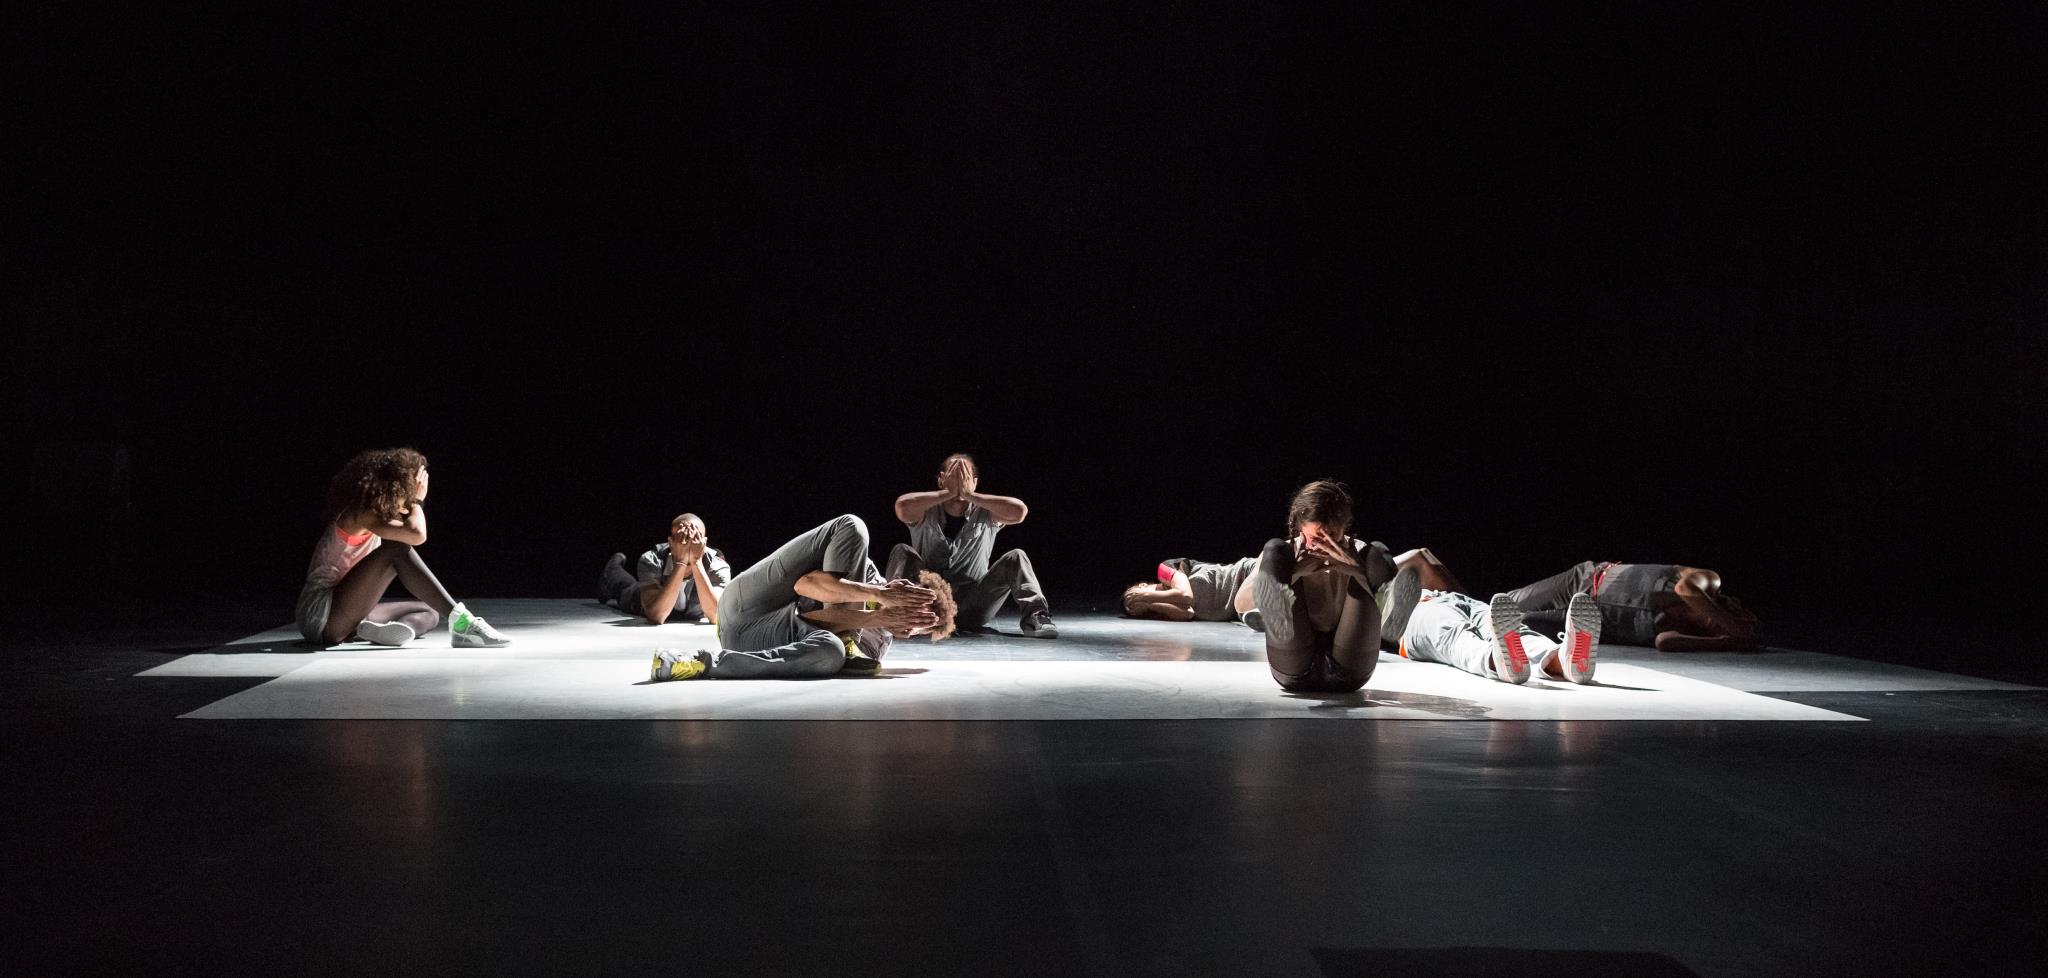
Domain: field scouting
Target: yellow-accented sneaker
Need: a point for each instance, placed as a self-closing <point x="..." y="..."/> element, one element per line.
<point x="672" y="664"/>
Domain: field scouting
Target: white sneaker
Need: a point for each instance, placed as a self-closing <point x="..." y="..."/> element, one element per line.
<point x="467" y="631"/>
<point x="1504" y="627"/>
<point x="390" y="634"/>
<point x="1581" y="634"/>
<point x="1398" y="600"/>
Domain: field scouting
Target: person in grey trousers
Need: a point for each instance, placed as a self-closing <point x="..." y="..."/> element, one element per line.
<point x="802" y="612"/>
<point x="952" y="531"/>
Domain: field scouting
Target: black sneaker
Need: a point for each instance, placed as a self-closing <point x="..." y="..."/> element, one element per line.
<point x="860" y="663"/>
<point x="604" y="576"/>
<point x="1038" y="624"/>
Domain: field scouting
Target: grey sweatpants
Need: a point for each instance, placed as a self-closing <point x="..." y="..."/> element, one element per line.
<point x="1451" y="628"/>
<point x="1009" y="577"/>
<point x="759" y="630"/>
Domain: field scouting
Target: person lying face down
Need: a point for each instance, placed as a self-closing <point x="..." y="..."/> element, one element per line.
<point x="1671" y="607"/>
<point x="1193" y="590"/>
<point x="681" y="578"/>
<point x="815" y="607"/>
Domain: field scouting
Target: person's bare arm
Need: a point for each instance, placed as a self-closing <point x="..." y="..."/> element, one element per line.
<point x="707" y="592"/>
<point x="658" y="598"/>
<point x="1180" y="593"/>
<point x="847" y="619"/>
<point x="1430" y="571"/>
<point x="1160" y="609"/>
<point x="910" y="506"/>
<point x="412" y="530"/>
<point x="1675" y="641"/>
<point x="1007" y="510"/>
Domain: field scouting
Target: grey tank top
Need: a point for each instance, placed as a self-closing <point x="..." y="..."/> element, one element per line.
<point x="963" y="557"/>
<point x="1215" y="587"/>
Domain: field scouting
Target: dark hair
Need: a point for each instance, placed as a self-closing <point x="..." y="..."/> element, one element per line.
<point x="1124" y="603"/>
<point x="378" y="482"/>
<point x="1321" y="501"/>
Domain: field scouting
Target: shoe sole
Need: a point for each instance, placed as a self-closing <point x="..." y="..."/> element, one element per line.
<point x="1403" y="594"/>
<point x="390" y="634"/>
<point x="1581" y="634"/>
<point x="1510" y="660"/>
<point x="457" y="641"/>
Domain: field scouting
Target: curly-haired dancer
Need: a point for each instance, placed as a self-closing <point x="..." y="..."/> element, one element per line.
<point x="375" y="524"/>
<point x="1314" y="591"/>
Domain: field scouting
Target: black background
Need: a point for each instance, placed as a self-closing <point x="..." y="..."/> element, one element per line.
<point x="1756" y="290"/>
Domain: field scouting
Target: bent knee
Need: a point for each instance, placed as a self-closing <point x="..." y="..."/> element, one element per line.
<point x="849" y="523"/>
<point x="1014" y="557"/>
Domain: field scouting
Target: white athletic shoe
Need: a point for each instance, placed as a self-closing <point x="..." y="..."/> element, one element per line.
<point x="391" y="634"/>
<point x="1581" y="634"/>
<point x="467" y="631"/>
<point x="1504" y="625"/>
<point x="1397" y="601"/>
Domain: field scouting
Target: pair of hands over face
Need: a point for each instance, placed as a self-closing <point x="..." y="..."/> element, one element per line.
<point x="687" y="542"/>
<point x="906" y="608"/>
<point x="1336" y="550"/>
<point x="958" y="479"/>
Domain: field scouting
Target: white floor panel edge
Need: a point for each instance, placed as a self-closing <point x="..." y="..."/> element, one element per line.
<point x="447" y="688"/>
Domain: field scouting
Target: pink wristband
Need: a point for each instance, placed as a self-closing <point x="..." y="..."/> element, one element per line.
<point x="1165" y="574"/>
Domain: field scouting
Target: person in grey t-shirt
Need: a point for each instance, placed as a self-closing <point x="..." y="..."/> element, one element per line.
<point x="681" y="579"/>
<point x="952" y="531"/>
<point x="1193" y="590"/>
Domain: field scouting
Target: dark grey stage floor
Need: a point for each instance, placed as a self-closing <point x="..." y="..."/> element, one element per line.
<point x="140" y="843"/>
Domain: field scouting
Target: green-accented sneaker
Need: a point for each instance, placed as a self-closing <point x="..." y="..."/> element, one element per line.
<point x="673" y="664"/>
<point x="467" y="631"/>
<point x="858" y="663"/>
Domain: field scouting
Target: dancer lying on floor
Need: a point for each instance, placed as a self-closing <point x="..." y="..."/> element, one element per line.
<point x="1193" y="590"/>
<point x="1314" y="591"/>
<point x="814" y="607"/>
<point x="680" y="579"/>
<point x="1489" y="638"/>
<point x="1668" y="606"/>
<point x="376" y="524"/>
<point x="952" y="531"/>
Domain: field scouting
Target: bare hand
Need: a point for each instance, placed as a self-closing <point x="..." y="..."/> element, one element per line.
<point x="1332" y="551"/>
<point x="903" y="594"/>
<point x="904" y="621"/>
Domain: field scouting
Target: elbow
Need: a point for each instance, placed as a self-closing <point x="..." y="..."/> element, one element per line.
<point x="657" y="617"/>
<point x="1022" y="511"/>
<point x="816" y="586"/>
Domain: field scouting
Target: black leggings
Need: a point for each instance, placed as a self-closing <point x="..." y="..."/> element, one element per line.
<point x="1301" y="658"/>
<point x="359" y="595"/>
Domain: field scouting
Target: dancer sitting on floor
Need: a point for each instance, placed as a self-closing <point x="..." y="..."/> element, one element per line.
<point x="680" y="579"/>
<point x="1489" y="638"/>
<point x="376" y="524"/>
<point x="1193" y="590"/>
<point x="952" y="531"/>
<point x="814" y="607"/>
<point x="1315" y="593"/>
<point x="1668" y="606"/>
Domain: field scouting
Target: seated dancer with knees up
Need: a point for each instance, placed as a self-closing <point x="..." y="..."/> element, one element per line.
<point x="1315" y="593"/>
<point x="680" y="579"/>
<point x="1668" y="606"/>
<point x="1192" y="590"/>
<point x="1491" y="638"/>
<point x="376" y="523"/>
<point x="814" y="607"/>
<point x="952" y="531"/>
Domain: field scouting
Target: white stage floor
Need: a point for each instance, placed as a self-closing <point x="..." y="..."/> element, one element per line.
<point x="574" y="659"/>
